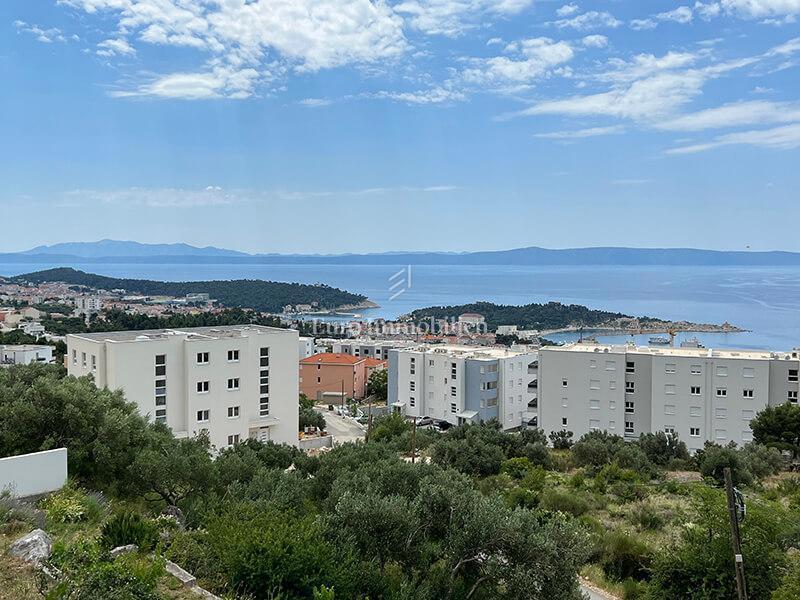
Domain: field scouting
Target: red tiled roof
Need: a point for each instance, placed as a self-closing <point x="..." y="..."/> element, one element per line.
<point x="331" y="358"/>
<point x="374" y="362"/>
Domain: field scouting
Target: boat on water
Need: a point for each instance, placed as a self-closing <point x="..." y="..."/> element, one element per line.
<point x="658" y="341"/>
<point x="692" y="343"/>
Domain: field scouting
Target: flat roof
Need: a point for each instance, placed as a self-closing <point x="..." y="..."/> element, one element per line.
<point x="332" y="358"/>
<point x="214" y="333"/>
<point x="670" y="351"/>
<point x="474" y="352"/>
<point x="23" y="347"/>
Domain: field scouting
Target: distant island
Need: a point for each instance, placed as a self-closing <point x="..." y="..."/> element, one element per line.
<point x="256" y="294"/>
<point x="112" y="251"/>
<point x="555" y="317"/>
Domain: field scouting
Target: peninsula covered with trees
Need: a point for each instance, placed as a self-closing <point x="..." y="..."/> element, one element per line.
<point x="259" y="295"/>
<point x="554" y="316"/>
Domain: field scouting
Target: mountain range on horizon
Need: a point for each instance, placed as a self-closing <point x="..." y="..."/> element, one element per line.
<point x="110" y="251"/>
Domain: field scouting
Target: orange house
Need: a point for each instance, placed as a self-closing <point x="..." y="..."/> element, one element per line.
<point x="327" y="374"/>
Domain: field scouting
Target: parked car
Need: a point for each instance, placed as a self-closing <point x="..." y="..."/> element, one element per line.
<point x="423" y="421"/>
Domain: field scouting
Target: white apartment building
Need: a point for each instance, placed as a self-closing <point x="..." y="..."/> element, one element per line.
<point x="88" y="304"/>
<point x="306" y="347"/>
<point x="25" y="354"/>
<point x="235" y="382"/>
<point x="460" y="384"/>
<point x="700" y="394"/>
<point x="367" y="348"/>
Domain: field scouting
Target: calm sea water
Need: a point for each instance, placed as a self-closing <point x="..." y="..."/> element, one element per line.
<point x="765" y="300"/>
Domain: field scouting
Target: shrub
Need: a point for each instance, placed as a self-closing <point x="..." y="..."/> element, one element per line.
<point x="661" y="448"/>
<point x="761" y="461"/>
<point x="596" y="448"/>
<point x="517" y="468"/>
<point x="68" y="505"/>
<point x="646" y="517"/>
<point x="561" y="440"/>
<point x="624" y="556"/>
<point x="129" y="528"/>
<point x="716" y="458"/>
<point x="566" y="502"/>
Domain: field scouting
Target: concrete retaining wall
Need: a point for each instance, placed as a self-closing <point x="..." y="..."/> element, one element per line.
<point x="33" y="474"/>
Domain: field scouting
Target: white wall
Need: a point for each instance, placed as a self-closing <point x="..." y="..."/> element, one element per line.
<point x="32" y="474"/>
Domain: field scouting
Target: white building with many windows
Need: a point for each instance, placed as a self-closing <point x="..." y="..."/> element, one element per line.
<point x="235" y="382"/>
<point x="700" y="394"/>
<point x="460" y="384"/>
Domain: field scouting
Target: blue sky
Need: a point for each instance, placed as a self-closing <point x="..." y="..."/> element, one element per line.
<point x="358" y="125"/>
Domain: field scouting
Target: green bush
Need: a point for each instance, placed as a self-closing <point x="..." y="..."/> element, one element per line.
<point x="624" y="556"/>
<point x="561" y="440"/>
<point x="129" y="528"/>
<point x="662" y="448"/>
<point x="68" y="505"/>
<point x="716" y="458"/>
<point x="566" y="502"/>
<point x="517" y="468"/>
<point x="646" y="517"/>
<point x="761" y="461"/>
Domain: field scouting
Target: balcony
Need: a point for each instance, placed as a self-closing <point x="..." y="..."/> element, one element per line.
<point x="533" y="385"/>
<point x="533" y="403"/>
<point x="533" y="367"/>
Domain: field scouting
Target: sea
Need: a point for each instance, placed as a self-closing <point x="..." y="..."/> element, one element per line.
<point x="763" y="300"/>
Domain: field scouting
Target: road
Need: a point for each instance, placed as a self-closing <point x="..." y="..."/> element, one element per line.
<point x="343" y="429"/>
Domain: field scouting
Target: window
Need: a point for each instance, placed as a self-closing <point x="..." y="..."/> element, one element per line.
<point x="202" y="416"/>
<point x="669" y="409"/>
<point x="430" y="378"/>
<point x="722" y="371"/>
<point x="792" y="397"/>
<point x="721" y="413"/>
<point x="233" y="355"/>
<point x="629" y="406"/>
<point x="412" y="385"/>
<point x="430" y="363"/>
<point x="792" y="374"/>
<point x="747" y="393"/>
<point x="491" y="385"/>
<point x="747" y="415"/>
<point x="696" y="370"/>
<point x="202" y="358"/>
<point x="453" y="407"/>
<point x="233" y="412"/>
<point x="594" y="404"/>
<point x="412" y="366"/>
<point x="630" y="367"/>
<point x="592" y="364"/>
<point x="669" y="368"/>
<point x="564" y="402"/>
<point x="161" y="370"/>
<point x="264" y="357"/>
<point x="669" y="389"/>
<point x="594" y="384"/>
<point x="161" y="400"/>
<point x="594" y="424"/>
<point x="669" y="429"/>
<point x="611" y="365"/>
<point x="492" y="368"/>
<point x="612" y="385"/>
<point x="453" y="370"/>
<point x="233" y="439"/>
<point x="612" y="424"/>
<point x="202" y="387"/>
<point x="94" y="363"/>
<point x="161" y="359"/>
<point x="452" y="390"/>
<point x="161" y="415"/>
<point x="263" y="407"/>
<point x="412" y="401"/>
<point x="630" y="387"/>
<point x="722" y="392"/>
<point x="721" y="434"/>
<point x="694" y="390"/>
<point x="74" y="357"/>
<point x="694" y="411"/>
<point x="563" y="421"/>
<point x="694" y="431"/>
<point x="563" y="383"/>
<point x="83" y="359"/>
<point x="628" y="426"/>
<point x="748" y="372"/>
<point x="233" y="384"/>
<point x="491" y="402"/>
<point x="747" y="436"/>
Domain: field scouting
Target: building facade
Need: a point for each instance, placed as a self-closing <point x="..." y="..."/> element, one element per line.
<point x="699" y="394"/>
<point x="235" y="382"/>
<point x="328" y="375"/>
<point x="461" y="384"/>
<point x="25" y="354"/>
<point x="369" y="348"/>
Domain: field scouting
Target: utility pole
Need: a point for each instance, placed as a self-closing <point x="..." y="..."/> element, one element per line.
<point x="369" y="419"/>
<point x="342" y="397"/>
<point x="736" y="541"/>
<point x="414" y="441"/>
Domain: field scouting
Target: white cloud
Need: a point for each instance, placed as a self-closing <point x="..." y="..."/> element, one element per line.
<point x="755" y="9"/>
<point x="643" y="24"/>
<point x="580" y="133"/>
<point x="786" y="137"/>
<point x="315" y="102"/>
<point x="220" y="82"/>
<point x="595" y="41"/>
<point x="436" y="95"/>
<point x="682" y="14"/>
<point x="707" y="11"/>
<point x="589" y="20"/>
<point x="453" y="17"/>
<point x="264" y="36"/>
<point x="46" y="36"/>
<point x="529" y="59"/>
<point x="115" y="47"/>
<point x="754" y="112"/>
<point x="567" y="10"/>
